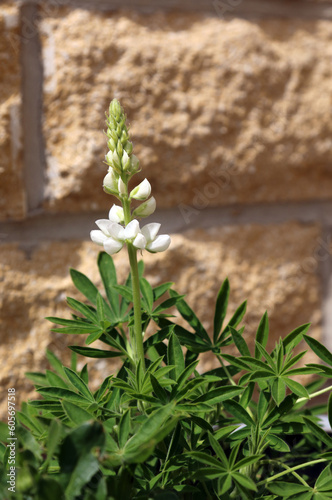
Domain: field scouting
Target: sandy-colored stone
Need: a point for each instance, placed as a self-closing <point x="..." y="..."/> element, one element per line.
<point x="12" y="196"/>
<point x="238" y="109"/>
<point x="275" y="268"/>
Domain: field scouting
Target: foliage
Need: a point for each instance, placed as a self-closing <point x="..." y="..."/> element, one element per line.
<point x="167" y="431"/>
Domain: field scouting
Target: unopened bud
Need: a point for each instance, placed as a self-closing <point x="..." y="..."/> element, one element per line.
<point x="142" y="191"/>
<point x="122" y="187"/>
<point x="145" y="209"/>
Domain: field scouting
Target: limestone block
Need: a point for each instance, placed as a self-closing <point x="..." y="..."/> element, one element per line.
<point x="275" y="268"/>
<point x="238" y="109"/>
<point x="12" y="196"/>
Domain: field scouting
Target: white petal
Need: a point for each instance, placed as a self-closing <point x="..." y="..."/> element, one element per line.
<point x="112" y="246"/>
<point x="142" y="191"/>
<point x="116" y="214"/>
<point x="104" y="225"/>
<point x="139" y="241"/>
<point x="150" y="231"/>
<point x="122" y="187"/>
<point x="160" y="244"/>
<point x="98" y="237"/>
<point x="116" y="231"/>
<point x="131" y="230"/>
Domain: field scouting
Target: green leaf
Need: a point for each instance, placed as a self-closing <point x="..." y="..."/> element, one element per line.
<point x="89" y="352"/>
<point x="329" y="409"/>
<point x="159" y="290"/>
<point x="59" y="393"/>
<point x="158" y="337"/>
<point x="297" y="388"/>
<point x="125" y="291"/>
<point x="147" y="293"/>
<point x="87" y="311"/>
<point x="285" y="489"/>
<point x="94" y="336"/>
<point x="55" y="362"/>
<point x="239" y="412"/>
<point x="167" y="304"/>
<point x="218" y="395"/>
<point x="153" y="430"/>
<point x="295" y="336"/>
<point x="206" y="459"/>
<point x="78" y="331"/>
<point x="87" y="466"/>
<point x="75" y="413"/>
<point x="84" y="285"/>
<point x="37" y="378"/>
<point x="244" y="481"/>
<point x="236" y="318"/>
<point x="262" y="334"/>
<point x="186" y="374"/>
<point x="322" y="352"/>
<point x="278" y="388"/>
<point x="239" y="342"/>
<point x="175" y="356"/>
<point x="278" y="444"/>
<point x="124" y="428"/>
<point x="263" y="404"/>
<point x="318" y="432"/>
<point x="55" y="380"/>
<point x="77" y="382"/>
<point x="188" y="314"/>
<point x="69" y="322"/>
<point x="218" y="450"/>
<point x="158" y="390"/>
<point x="108" y="275"/>
<point x="220" y="309"/>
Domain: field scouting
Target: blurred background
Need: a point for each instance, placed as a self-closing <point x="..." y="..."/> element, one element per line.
<point x="229" y="104"/>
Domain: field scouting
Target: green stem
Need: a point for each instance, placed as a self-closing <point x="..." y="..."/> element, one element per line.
<point x="315" y="394"/>
<point x="226" y="370"/>
<point x="132" y="252"/>
<point x="290" y="469"/>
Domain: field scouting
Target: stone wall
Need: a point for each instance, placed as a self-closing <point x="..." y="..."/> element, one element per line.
<point x="230" y="111"/>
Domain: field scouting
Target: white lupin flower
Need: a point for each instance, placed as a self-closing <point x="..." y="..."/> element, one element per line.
<point x="145" y="209"/>
<point x="112" y="236"/>
<point x="116" y="214"/>
<point x="155" y="243"/>
<point x="142" y="191"/>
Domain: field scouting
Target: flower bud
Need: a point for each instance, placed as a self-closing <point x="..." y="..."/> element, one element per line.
<point x="119" y="149"/>
<point x="116" y="214"/>
<point x="110" y="182"/>
<point x="111" y="144"/>
<point x="145" y="209"/>
<point x="125" y="160"/>
<point x="122" y="187"/>
<point x="115" y="109"/>
<point x="142" y="191"/>
<point x="128" y="147"/>
<point x="134" y="164"/>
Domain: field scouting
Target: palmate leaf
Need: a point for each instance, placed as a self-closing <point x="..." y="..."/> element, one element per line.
<point x="234" y="321"/>
<point x="295" y="337"/>
<point x="318" y="432"/>
<point x="59" y="393"/>
<point x="159" y="290"/>
<point x="220" y="394"/>
<point x="75" y="413"/>
<point x="147" y="293"/>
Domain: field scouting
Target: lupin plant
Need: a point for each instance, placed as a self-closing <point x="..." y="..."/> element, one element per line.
<point x="160" y="428"/>
<point x="122" y="226"/>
